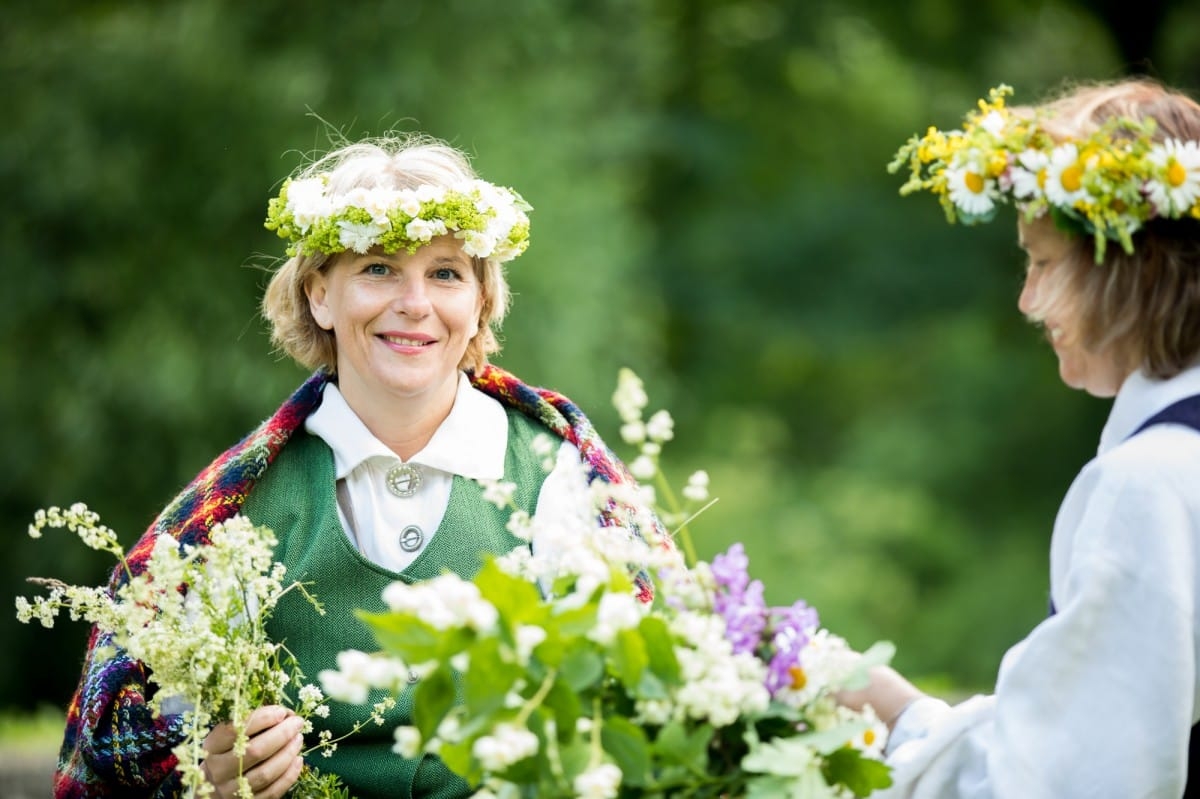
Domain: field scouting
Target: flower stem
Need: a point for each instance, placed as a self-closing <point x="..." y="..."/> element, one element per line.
<point x="682" y="535"/>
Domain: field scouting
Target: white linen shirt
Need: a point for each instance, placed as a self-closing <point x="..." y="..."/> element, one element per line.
<point x="472" y="442"/>
<point x="1098" y="700"/>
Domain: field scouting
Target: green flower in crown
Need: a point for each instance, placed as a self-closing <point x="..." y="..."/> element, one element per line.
<point x="491" y="220"/>
<point x="1106" y="185"/>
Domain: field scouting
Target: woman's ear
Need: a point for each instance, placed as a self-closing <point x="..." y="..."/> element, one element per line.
<point x="317" y="290"/>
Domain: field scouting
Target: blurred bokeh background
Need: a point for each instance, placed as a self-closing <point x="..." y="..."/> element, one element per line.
<point x="886" y="435"/>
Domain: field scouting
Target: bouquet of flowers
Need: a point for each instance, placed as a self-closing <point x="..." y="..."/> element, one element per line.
<point x="601" y="662"/>
<point x="196" y="617"/>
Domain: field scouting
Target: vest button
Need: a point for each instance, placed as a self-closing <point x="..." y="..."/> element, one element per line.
<point x="411" y="538"/>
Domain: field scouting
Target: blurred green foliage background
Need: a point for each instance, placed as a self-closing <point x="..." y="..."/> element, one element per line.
<point x="885" y="433"/>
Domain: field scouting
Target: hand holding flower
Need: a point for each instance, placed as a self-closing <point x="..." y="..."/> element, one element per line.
<point x="888" y="693"/>
<point x="271" y="762"/>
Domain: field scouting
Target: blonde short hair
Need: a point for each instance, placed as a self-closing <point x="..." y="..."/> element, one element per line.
<point x="392" y="162"/>
<point x="1142" y="308"/>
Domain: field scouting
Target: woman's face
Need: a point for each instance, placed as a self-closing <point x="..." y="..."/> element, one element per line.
<point x="1097" y="373"/>
<point x="401" y="322"/>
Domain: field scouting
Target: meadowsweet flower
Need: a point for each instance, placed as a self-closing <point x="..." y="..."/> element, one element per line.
<point x="506" y="745"/>
<point x="660" y="427"/>
<point x="696" y="489"/>
<point x="528" y="636"/>
<point x="498" y="492"/>
<point x="196" y="616"/>
<point x="643" y="467"/>
<point x="630" y="397"/>
<point x="601" y="782"/>
<point x="407" y="742"/>
<point x="616" y="612"/>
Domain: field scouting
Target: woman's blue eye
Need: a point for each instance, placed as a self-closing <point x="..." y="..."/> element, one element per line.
<point x="445" y="273"/>
<point x="377" y="269"/>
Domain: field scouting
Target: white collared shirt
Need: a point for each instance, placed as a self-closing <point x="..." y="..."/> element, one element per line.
<point x="1097" y="701"/>
<point x="472" y="442"/>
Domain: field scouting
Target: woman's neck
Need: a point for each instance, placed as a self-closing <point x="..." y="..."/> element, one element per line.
<point x="405" y="425"/>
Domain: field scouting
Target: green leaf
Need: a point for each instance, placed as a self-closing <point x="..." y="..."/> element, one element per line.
<point x="574" y="757"/>
<point x="626" y="743"/>
<point x="660" y="648"/>
<point x="402" y="634"/>
<point x="861" y="775"/>
<point x="629" y="657"/>
<point x="457" y="757"/>
<point x="810" y="785"/>
<point x="582" y="668"/>
<point x="489" y="678"/>
<point x="517" y="599"/>
<point x="433" y="697"/>
<point x="675" y="744"/>
<point x="564" y="703"/>
<point x="880" y="653"/>
<point x="413" y="640"/>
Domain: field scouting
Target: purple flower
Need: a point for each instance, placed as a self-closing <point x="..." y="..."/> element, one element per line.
<point x="739" y="600"/>
<point x="745" y="617"/>
<point x="791" y="631"/>
<point x="731" y="570"/>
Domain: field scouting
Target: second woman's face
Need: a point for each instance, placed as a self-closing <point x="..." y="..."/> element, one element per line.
<point x="401" y="322"/>
<point x="1097" y="373"/>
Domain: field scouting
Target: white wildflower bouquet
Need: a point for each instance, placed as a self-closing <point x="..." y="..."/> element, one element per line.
<point x="553" y="673"/>
<point x="196" y="617"/>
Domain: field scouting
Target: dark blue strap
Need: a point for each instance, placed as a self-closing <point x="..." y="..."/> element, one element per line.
<point x="1185" y="412"/>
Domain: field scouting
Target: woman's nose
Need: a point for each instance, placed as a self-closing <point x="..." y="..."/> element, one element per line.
<point x="411" y="299"/>
<point x="1028" y="296"/>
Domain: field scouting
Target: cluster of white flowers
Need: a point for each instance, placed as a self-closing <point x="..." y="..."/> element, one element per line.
<point x="196" y="616"/>
<point x="491" y="221"/>
<point x="445" y="602"/>
<point x="719" y="685"/>
<point x="507" y="744"/>
<point x="82" y="521"/>
<point x="358" y="672"/>
<point x="616" y="612"/>
<point x="600" y="782"/>
<point x="827" y="660"/>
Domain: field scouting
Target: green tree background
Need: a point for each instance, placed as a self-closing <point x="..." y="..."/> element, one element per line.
<point x="885" y="433"/>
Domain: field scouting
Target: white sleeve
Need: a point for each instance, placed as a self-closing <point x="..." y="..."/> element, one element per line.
<point x="1098" y="700"/>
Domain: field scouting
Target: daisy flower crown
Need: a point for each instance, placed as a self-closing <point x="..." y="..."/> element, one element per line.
<point x="491" y="220"/>
<point x="1106" y="185"/>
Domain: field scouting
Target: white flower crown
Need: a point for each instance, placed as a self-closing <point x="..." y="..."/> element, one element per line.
<point x="1106" y="185"/>
<point x="491" y="220"/>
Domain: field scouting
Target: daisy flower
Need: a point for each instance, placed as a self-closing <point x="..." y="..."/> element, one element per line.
<point x="1177" y="186"/>
<point x="971" y="191"/>
<point x="1064" y="177"/>
<point x="1029" y="174"/>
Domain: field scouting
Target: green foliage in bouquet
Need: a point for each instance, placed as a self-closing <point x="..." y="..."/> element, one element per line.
<point x="549" y="675"/>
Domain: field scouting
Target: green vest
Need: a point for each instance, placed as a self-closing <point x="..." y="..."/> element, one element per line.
<point x="296" y="498"/>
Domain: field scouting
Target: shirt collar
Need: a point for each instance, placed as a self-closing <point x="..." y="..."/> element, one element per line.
<point x="471" y="441"/>
<point x="1140" y="397"/>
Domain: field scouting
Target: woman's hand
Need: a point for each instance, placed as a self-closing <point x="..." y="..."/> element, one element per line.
<point x="888" y="694"/>
<point x="272" y="761"/>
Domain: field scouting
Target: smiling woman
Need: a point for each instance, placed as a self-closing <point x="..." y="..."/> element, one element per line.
<point x="370" y="473"/>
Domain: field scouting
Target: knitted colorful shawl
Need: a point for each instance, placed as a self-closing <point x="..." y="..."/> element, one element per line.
<point x="113" y="745"/>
